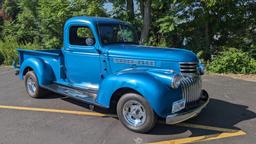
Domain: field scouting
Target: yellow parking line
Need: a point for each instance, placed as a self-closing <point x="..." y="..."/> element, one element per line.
<point x="224" y="131"/>
<point x="201" y="138"/>
<point x="199" y="126"/>
<point x="56" y="111"/>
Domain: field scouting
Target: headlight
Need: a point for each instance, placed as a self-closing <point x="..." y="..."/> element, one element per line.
<point x="201" y="68"/>
<point x="176" y="81"/>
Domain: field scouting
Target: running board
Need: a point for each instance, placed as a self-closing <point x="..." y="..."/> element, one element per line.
<point x="79" y="94"/>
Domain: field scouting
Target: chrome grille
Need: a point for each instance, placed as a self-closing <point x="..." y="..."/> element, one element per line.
<point x="191" y="88"/>
<point x="188" y="67"/>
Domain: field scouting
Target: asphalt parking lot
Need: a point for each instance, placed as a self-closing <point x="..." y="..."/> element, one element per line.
<point x="229" y="118"/>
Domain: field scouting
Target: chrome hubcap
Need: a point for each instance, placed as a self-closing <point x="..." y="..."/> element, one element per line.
<point x="134" y="113"/>
<point x="31" y="86"/>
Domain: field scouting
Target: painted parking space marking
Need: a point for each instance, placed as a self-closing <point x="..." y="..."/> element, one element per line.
<point x="202" y="138"/>
<point x="199" y="126"/>
<point x="224" y="132"/>
<point x="56" y="111"/>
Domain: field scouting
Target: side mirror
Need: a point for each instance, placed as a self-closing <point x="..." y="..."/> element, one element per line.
<point x="89" y="41"/>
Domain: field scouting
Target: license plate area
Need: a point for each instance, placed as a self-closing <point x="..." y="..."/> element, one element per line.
<point x="178" y="105"/>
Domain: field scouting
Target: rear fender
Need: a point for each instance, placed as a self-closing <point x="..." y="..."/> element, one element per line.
<point x="42" y="70"/>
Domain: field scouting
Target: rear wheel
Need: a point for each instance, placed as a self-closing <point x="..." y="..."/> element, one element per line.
<point x="32" y="87"/>
<point x="135" y="113"/>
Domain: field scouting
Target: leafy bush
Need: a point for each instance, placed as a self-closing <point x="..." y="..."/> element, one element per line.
<point x="8" y="50"/>
<point x="232" y="60"/>
<point x="1" y="58"/>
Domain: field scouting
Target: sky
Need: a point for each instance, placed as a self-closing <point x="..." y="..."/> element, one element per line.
<point x="108" y="6"/>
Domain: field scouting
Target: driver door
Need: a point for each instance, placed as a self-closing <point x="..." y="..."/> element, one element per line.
<point x="82" y="60"/>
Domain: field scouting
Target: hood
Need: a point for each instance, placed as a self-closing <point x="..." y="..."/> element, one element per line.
<point x="148" y="52"/>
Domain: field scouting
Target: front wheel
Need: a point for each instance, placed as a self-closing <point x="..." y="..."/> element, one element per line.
<point x="135" y="113"/>
<point x="32" y="87"/>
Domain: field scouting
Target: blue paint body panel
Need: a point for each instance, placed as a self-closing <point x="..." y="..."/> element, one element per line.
<point x="150" y="85"/>
<point x="108" y="68"/>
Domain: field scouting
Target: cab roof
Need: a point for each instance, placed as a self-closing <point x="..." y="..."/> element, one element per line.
<point x="94" y="19"/>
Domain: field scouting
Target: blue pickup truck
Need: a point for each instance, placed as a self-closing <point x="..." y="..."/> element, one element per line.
<point x="103" y="64"/>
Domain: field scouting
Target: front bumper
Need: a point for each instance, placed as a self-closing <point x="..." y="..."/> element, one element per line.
<point x="183" y="116"/>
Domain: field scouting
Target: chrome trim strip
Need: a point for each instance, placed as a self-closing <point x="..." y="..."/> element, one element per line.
<point x="189" y="70"/>
<point x="85" y="53"/>
<point x="188" y="67"/>
<point x="134" y="61"/>
<point x="188" y="62"/>
<point x="191" y="88"/>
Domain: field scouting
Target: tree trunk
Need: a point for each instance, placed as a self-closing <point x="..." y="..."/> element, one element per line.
<point x="207" y="42"/>
<point x="142" y="8"/>
<point x="130" y="9"/>
<point x="146" y="21"/>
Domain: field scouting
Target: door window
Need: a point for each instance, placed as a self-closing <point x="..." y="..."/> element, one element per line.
<point x="78" y="35"/>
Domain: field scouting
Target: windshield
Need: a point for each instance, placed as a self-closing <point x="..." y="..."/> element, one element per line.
<point x="117" y="33"/>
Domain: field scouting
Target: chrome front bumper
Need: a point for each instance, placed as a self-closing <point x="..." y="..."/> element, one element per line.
<point x="183" y="116"/>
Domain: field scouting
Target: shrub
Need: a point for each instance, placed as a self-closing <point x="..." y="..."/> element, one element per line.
<point x="1" y="58"/>
<point x="8" y="50"/>
<point x="232" y="60"/>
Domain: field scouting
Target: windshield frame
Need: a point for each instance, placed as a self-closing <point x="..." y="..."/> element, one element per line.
<point x="122" y="24"/>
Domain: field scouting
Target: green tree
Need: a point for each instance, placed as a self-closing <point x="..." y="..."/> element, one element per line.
<point x="147" y="20"/>
<point x="53" y="14"/>
<point x="11" y="8"/>
<point x="24" y="28"/>
<point x="1" y="27"/>
<point x="207" y="27"/>
<point x="219" y="23"/>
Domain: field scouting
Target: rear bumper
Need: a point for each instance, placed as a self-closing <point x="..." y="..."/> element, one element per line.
<point x="183" y="116"/>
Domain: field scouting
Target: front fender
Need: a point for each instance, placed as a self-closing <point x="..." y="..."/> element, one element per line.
<point x="159" y="95"/>
<point x="42" y="70"/>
